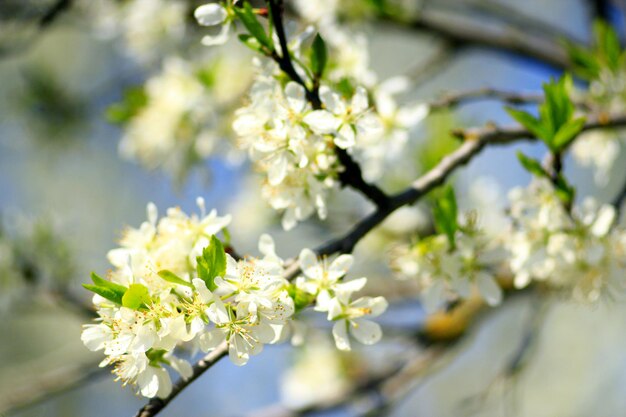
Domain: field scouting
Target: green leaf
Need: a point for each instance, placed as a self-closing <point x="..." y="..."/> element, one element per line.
<point x="105" y="293"/>
<point x="567" y="133"/>
<point x="532" y="165"/>
<point x="249" y="20"/>
<point x="107" y="289"/>
<point x="529" y="122"/>
<point x="212" y="263"/>
<point x="607" y="44"/>
<point x="585" y="63"/>
<point x="445" y="213"/>
<point x="557" y="109"/>
<point x="134" y="100"/>
<point x="136" y="297"/>
<point x="251" y="42"/>
<point x="206" y="77"/>
<point x="319" y="56"/>
<point x="169" y="276"/>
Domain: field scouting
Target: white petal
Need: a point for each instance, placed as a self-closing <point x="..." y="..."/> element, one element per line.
<point x="210" y="340"/>
<point x="433" y="297"/>
<point x="210" y="14"/>
<point x="604" y="220"/>
<point x="350" y="287"/>
<point x="181" y="366"/>
<point x="345" y="138"/>
<point x="202" y="290"/>
<point x="94" y="336"/>
<point x="522" y="279"/>
<point x="359" y="100"/>
<point x="289" y="219"/>
<point x="153" y="213"/>
<point x="309" y="263"/>
<point x="340" y="334"/>
<point x="376" y="305"/>
<point x="266" y="245"/>
<point x="219" y="39"/>
<point x="165" y="383"/>
<point x="411" y="116"/>
<point x="365" y="331"/>
<point x="321" y="121"/>
<point x="340" y="266"/>
<point x="264" y="333"/>
<point x="489" y="289"/>
<point x="332" y="101"/>
<point x="324" y="302"/>
<point x="238" y="358"/>
<point x="217" y="312"/>
<point x="295" y="96"/>
<point x="277" y="170"/>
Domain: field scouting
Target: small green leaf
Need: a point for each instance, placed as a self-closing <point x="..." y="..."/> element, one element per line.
<point x="529" y="122"/>
<point x="212" y="263"/>
<point x="585" y="63"/>
<point x="169" y="276"/>
<point x="319" y="56"/>
<point x="206" y="77"/>
<point x="251" y="42"/>
<point x="445" y="213"/>
<point x="607" y="44"/>
<point x="104" y="292"/>
<point x="137" y="296"/>
<point x="249" y="20"/>
<point x="105" y="288"/>
<point x="567" y="133"/>
<point x="532" y="165"/>
<point x="134" y="100"/>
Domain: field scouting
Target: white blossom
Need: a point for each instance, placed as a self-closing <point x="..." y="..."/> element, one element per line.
<point x="445" y="272"/>
<point x="216" y="14"/>
<point x="581" y="252"/>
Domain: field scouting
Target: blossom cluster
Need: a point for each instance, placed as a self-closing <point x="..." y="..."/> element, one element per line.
<point x="581" y="251"/>
<point x="447" y="271"/>
<point x="295" y="145"/>
<point x="175" y="286"/>
<point x="180" y="121"/>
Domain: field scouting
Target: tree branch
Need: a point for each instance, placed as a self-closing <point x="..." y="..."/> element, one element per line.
<point x="351" y="175"/>
<point x="474" y="141"/>
<point x="485" y="93"/>
<point x="155" y="405"/>
<point x="464" y="31"/>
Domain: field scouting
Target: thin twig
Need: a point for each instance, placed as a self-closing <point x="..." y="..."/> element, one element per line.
<point x="485" y="93"/>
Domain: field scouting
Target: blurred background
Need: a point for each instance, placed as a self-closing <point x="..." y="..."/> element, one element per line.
<point x="69" y="185"/>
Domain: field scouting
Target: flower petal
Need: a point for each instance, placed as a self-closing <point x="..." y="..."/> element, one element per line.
<point x="489" y="289"/>
<point x="340" y="334"/>
<point x="210" y="14"/>
<point x="365" y="331"/>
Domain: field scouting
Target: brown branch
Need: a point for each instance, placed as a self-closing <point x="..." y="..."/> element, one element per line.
<point x="459" y="30"/>
<point x="474" y="141"/>
<point x="454" y="99"/>
<point x="155" y="405"/>
<point x="351" y="174"/>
